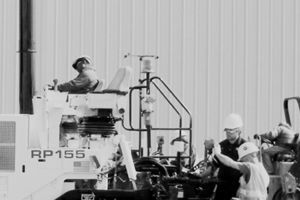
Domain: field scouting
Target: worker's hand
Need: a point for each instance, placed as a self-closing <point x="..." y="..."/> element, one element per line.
<point x="217" y="149"/>
<point x="256" y="136"/>
<point x="209" y="144"/>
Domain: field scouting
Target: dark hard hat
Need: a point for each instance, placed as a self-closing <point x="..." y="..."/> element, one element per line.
<point x="83" y="59"/>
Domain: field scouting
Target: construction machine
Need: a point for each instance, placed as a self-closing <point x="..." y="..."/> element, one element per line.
<point x="68" y="142"/>
<point x="73" y="147"/>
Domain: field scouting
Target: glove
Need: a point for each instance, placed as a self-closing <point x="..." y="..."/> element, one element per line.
<point x="256" y="136"/>
<point x="209" y="144"/>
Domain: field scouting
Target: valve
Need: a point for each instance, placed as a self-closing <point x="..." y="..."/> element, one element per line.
<point x="147" y="103"/>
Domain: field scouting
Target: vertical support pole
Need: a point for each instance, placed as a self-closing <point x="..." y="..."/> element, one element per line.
<point x="27" y="50"/>
<point x="140" y="112"/>
<point x="148" y="127"/>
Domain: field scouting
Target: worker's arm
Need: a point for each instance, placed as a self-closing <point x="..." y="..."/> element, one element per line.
<point x="242" y="167"/>
<point x="227" y="161"/>
<point x="74" y="85"/>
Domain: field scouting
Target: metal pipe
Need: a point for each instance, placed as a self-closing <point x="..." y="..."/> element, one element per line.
<point x="27" y="52"/>
<point x="148" y="127"/>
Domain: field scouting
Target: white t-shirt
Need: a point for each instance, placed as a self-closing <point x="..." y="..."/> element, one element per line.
<point x="254" y="182"/>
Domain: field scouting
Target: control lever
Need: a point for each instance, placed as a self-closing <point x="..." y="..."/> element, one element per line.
<point x="55" y="81"/>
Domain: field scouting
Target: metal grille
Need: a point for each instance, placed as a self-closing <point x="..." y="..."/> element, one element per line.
<point x="7" y="145"/>
<point x="7" y="132"/>
<point x="7" y="157"/>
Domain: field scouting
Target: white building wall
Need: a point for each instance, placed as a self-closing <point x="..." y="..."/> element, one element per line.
<point x="9" y="70"/>
<point x="218" y="56"/>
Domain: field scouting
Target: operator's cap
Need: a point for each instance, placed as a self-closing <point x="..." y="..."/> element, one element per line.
<point x="247" y="148"/>
<point x="85" y="59"/>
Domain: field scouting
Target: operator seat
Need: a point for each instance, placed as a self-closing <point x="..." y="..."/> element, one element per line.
<point x="120" y="83"/>
<point x="99" y="85"/>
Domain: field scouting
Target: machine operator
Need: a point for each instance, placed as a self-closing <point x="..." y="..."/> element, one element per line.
<point x="86" y="81"/>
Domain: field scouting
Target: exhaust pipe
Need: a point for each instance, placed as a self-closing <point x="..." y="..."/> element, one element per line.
<point x="27" y="56"/>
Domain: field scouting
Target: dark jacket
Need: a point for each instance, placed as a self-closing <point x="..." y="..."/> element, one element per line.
<point x="229" y="176"/>
<point x="83" y="83"/>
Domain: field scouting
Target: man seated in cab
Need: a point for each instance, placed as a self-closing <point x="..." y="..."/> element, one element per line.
<point x="86" y="81"/>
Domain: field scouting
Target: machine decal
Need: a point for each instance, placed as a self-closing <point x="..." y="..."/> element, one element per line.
<point x="61" y="153"/>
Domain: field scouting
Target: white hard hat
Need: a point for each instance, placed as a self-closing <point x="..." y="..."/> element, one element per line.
<point x="233" y="121"/>
<point x="247" y="148"/>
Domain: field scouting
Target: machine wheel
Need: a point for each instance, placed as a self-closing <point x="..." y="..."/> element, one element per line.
<point x="279" y="195"/>
<point x="146" y="163"/>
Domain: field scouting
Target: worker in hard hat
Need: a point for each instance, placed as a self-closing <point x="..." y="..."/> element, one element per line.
<point x="86" y="81"/>
<point x="229" y="177"/>
<point x="284" y="140"/>
<point x="255" y="179"/>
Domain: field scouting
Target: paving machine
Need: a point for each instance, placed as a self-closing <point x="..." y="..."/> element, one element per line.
<point x="67" y="143"/>
<point x="73" y="147"/>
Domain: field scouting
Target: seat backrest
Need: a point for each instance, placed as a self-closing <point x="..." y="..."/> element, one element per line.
<point x="99" y="86"/>
<point x="121" y="80"/>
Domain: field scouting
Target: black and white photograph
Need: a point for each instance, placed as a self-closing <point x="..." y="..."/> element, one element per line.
<point x="149" y="100"/>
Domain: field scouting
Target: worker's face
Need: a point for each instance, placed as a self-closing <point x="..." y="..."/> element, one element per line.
<point x="232" y="134"/>
<point x="80" y="66"/>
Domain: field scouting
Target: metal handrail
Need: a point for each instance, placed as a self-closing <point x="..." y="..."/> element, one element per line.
<point x="150" y="81"/>
<point x="286" y="108"/>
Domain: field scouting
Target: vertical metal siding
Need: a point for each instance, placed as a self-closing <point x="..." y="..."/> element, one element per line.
<point x="8" y="56"/>
<point x="219" y="57"/>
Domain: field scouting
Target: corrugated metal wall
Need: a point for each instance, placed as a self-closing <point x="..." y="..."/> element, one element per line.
<point x="218" y="56"/>
<point x="9" y="69"/>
